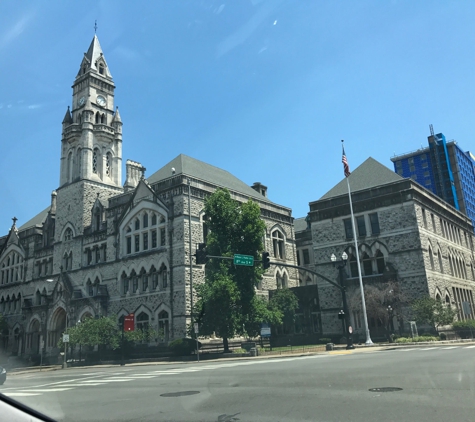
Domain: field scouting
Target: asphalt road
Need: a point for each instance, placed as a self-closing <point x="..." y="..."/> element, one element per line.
<point x="433" y="384"/>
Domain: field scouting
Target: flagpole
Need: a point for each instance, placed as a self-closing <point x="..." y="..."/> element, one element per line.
<point x="353" y="225"/>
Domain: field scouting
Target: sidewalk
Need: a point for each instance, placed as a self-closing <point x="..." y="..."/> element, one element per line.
<point x="338" y="349"/>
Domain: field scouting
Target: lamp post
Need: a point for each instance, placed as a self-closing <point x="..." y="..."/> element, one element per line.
<point x="390" y="321"/>
<point x="345" y="312"/>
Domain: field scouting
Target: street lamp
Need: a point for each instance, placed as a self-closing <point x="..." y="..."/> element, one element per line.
<point x="344" y="314"/>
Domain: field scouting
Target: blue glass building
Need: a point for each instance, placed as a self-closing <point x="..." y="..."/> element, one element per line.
<point x="444" y="169"/>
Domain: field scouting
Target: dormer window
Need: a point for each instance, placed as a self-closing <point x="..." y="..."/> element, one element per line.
<point x="101" y="69"/>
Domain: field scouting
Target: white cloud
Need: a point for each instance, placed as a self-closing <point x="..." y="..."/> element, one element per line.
<point x="243" y="33"/>
<point x="33" y="106"/>
<point x="15" y="30"/>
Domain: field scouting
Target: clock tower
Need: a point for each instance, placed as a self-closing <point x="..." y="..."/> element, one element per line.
<point x="91" y="147"/>
<point x="92" y="130"/>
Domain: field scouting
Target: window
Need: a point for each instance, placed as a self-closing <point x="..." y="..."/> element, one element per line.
<point x="101" y="69"/>
<point x="374" y="221"/>
<point x="163" y="324"/>
<point x="163" y="276"/>
<point x="95" y="161"/>
<point x="367" y="265"/>
<point x="154" y="219"/>
<point x="348" y="228"/>
<point x="431" y="258"/>
<point x="432" y="219"/>
<point x="145" y="241"/>
<point x="298" y="257"/>
<point x="306" y="257"/>
<point x="137" y="224"/>
<point x="412" y="168"/>
<point x="89" y="288"/>
<point x="154" y="275"/>
<point x="353" y="266"/>
<point x="68" y="234"/>
<point x="109" y="164"/>
<point x="278" y="244"/>
<point x="135" y="282"/>
<point x="98" y="255"/>
<point x="125" y="284"/>
<point x="154" y="238"/>
<point x="360" y="223"/>
<point x="137" y="243"/>
<point x="380" y="262"/>
<point x="128" y="240"/>
<point x="142" y="321"/>
<point x="144" y="282"/>
<point x="145" y="220"/>
<point x="12" y="268"/>
<point x="424" y="218"/>
<point x="162" y="237"/>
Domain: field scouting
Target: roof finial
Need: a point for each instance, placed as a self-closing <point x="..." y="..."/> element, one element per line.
<point x="14" y="221"/>
<point x="95" y="26"/>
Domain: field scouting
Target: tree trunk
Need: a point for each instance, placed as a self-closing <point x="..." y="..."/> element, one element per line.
<point x="226" y="345"/>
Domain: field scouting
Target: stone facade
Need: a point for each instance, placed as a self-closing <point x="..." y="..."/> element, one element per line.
<point x="405" y="234"/>
<point x="106" y="249"/>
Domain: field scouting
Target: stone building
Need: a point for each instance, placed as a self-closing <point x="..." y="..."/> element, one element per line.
<point x="103" y="248"/>
<point x="405" y="234"/>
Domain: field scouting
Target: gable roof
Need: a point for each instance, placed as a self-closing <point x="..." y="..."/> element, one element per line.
<point x="36" y="220"/>
<point x="369" y="174"/>
<point x="203" y="171"/>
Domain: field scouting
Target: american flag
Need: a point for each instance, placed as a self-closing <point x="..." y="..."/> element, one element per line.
<point x="346" y="167"/>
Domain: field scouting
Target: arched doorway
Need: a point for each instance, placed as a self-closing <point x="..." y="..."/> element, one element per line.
<point x="34" y="335"/>
<point x="57" y="327"/>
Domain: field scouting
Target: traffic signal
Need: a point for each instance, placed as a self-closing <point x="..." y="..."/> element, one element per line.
<point x="201" y="254"/>
<point x="265" y="260"/>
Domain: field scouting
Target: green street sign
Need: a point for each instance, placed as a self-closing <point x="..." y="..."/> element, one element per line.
<point x="246" y="260"/>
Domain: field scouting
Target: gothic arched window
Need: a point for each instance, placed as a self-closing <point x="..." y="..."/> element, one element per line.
<point x="278" y="244"/>
<point x="95" y="161"/>
<point x="109" y="164"/>
<point x="380" y="262"/>
<point x="367" y="265"/>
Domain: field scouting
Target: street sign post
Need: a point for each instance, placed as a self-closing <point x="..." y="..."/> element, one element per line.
<point x="65" y="338"/>
<point x="265" y="330"/>
<point x="246" y="260"/>
<point x="129" y="322"/>
<point x="196" y="327"/>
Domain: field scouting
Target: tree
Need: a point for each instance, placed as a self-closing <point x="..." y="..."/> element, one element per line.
<point x="383" y="302"/>
<point x="432" y="311"/>
<point x="228" y="294"/>
<point x="285" y="303"/>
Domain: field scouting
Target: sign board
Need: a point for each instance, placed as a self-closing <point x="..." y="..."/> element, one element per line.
<point x="246" y="260"/>
<point x="65" y="338"/>
<point x="129" y="322"/>
<point x="196" y="327"/>
<point x="265" y="330"/>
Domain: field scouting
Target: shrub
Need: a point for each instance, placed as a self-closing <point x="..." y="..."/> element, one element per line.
<point x="240" y="350"/>
<point x="324" y="340"/>
<point x="416" y="339"/>
<point x="183" y="346"/>
<point x="443" y="336"/>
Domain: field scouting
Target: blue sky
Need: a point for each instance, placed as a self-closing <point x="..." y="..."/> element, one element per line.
<point x="265" y="89"/>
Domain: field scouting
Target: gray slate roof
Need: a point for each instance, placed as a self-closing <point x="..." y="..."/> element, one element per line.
<point x="203" y="171"/>
<point x="300" y="224"/>
<point x="36" y="220"/>
<point x="369" y="174"/>
<point x="94" y="52"/>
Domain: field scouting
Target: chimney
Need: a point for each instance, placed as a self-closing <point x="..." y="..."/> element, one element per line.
<point x="259" y="187"/>
<point x="134" y="172"/>
<point x="53" y="203"/>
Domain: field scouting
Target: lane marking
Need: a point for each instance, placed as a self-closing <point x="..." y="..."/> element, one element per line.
<point x="22" y="394"/>
<point x="450" y="347"/>
<point x="470" y="347"/>
<point x="44" y="390"/>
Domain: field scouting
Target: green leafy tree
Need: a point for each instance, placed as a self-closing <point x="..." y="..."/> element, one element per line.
<point x="94" y="332"/>
<point x="284" y="303"/>
<point x="432" y="311"/>
<point x="228" y="294"/>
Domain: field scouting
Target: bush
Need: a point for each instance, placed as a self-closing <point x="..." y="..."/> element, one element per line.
<point x="324" y="340"/>
<point x="443" y="336"/>
<point x="416" y="339"/>
<point x="183" y="346"/>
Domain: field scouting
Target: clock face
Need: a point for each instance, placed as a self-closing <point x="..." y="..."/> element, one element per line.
<point x="82" y="100"/>
<point x="101" y="100"/>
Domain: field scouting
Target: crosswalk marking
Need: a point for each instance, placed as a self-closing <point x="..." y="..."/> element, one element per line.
<point x="429" y="348"/>
<point x="450" y="347"/>
<point x="408" y="350"/>
<point x="20" y="394"/>
<point x="470" y="347"/>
